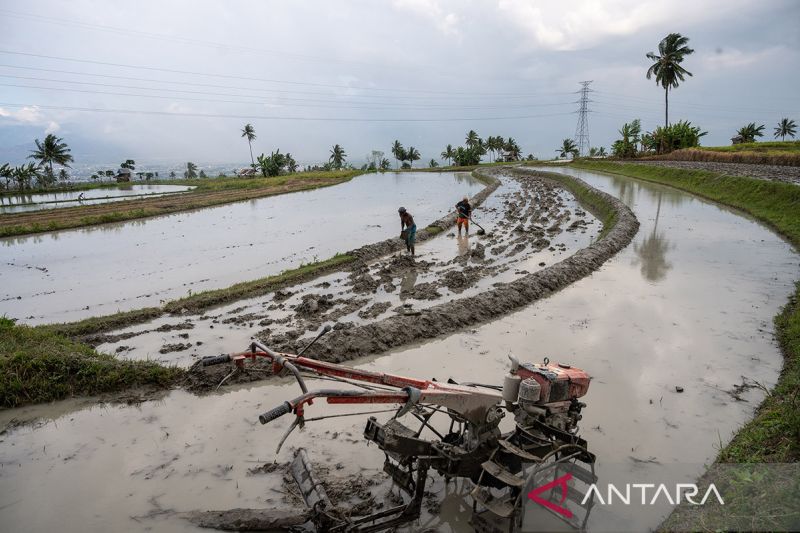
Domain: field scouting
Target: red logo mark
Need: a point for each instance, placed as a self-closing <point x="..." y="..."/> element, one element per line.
<point x="560" y="482"/>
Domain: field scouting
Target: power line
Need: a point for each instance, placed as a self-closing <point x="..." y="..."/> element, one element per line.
<point x="582" y="129"/>
<point x="275" y="117"/>
<point x="177" y="39"/>
<point x="249" y="78"/>
<point x="266" y="91"/>
<point x="309" y="102"/>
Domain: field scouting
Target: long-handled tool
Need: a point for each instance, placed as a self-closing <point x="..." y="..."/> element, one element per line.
<point x="481" y="231"/>
<point x="460" y="214"/>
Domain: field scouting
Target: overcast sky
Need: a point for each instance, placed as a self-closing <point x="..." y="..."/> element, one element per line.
<point x="140" y="79"/>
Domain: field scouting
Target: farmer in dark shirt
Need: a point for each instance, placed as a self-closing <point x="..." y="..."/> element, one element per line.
<point x="464" y="211"/>
<point x="408" y="230"/>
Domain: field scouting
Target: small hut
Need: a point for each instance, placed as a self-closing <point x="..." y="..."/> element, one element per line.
<point x="737" y="140"/>
<point x="123" y="174"/>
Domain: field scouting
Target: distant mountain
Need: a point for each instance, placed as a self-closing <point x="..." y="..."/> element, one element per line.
<point x="17" y="141"/>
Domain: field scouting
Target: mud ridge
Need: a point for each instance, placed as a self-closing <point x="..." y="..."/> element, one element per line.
<point x="345" y="343"/>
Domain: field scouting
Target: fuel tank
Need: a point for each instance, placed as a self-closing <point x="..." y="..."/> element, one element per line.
<point x="559" y="382"/>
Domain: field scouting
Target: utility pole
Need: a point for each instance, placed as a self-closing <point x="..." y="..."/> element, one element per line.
<point x="582" y="130"/>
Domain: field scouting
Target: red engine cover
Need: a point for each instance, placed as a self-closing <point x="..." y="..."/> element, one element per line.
<point x="559" y="382"/>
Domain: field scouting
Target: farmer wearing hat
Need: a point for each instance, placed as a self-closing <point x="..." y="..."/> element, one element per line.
<point x="408" y="230"/>
<point x="464" y="211"/>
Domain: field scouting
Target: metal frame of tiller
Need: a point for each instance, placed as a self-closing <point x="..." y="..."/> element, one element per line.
<point x="473" y="447"/>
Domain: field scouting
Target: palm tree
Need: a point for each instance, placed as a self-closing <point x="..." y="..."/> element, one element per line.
<point x="25" y="174"/>
<point x="250" y="133"/>
<point x="472" y="139"/>
<point x="6" y="172"/>
<point x="397" y="150"/>
<point x="385" y="164"/>
<point x="52" y="150"/>
<point x="412" y="154"/>
<point x="338" y="156"/>
<point x="489" y="145"/>
<point x="667" y="65"/>
<point x="448" y="153"/>
<point x="567" y="147"/>
<point x="749" y="132"/>
<point x="601" y="152"/>
<point x="433" y="164"/>
<point x="191" y="171"/>
<point x="785" y="127"/>
<point x="129" y="164"/>
<point x="291" y="164"/>
<point x="512" y="149"/>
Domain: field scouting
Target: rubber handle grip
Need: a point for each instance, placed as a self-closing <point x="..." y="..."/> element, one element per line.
<point x="218" y="360"/>
<point x="283" y="409"/>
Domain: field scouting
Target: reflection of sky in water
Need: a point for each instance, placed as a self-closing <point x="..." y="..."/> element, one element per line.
<point x="53" y="200"/>
<point x="139" y="263"/>
<point x="703" y="325"/>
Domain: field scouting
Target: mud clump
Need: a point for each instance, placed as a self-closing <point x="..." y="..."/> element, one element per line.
<point x="455" y="280"/>
<point x="374" y="310"/>
<point x="364" y="283"/>
<point x="313" y="304"/>
<point x="172" y="327"/>
<point x="423" y="291"/>
<point x="478" y="251"/>
<point x="178" y="347"/>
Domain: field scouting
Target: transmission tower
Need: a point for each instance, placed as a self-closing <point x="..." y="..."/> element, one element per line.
<point x="582" y="130"/>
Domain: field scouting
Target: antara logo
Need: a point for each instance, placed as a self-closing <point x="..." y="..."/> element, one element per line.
<point x="683" y="491"/>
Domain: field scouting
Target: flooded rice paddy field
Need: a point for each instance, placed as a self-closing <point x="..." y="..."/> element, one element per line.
<point x="447" y="267"/>
<point x="53" y="200"/>
<point x="74" y="274"/>
<point x="689" y="303"/>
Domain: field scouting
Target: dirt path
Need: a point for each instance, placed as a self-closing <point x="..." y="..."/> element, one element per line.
<point x="763" y="172"/>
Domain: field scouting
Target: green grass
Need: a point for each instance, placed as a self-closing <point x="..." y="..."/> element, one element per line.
<point x="763" y="153"/>
<point x="40" y="366"/>
<point x="256" y="182"/>
<point x="198" y="302"/>
<point x="767" y="146"/>
<point x="774" y="434"/>
<point x="248" y="289"/>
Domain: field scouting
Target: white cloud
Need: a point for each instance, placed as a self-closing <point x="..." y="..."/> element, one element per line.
<point x="551" y="25"/>
<point x="25" y="115"/>
<point x="446" y="22"/>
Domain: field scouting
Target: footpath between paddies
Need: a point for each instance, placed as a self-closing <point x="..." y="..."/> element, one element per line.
<point x="208" y="192"/>
<point x="51" y="362"/>
<point x="773" y="435"/>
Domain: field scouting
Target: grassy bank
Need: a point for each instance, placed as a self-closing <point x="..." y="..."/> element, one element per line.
<point x="198" y="302"/>
<point x="208" y="193"/>
<point x="773" y="435"/>
<point x="764" y="153"/>
<point x="40" y="366"/>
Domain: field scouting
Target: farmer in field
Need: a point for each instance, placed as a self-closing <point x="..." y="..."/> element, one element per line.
<point x="408" y="230"/>
<point x="464" y="211"/>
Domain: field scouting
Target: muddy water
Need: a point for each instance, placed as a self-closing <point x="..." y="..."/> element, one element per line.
<point x="689" y="303"/>
<point x="35" y="202"/>
<point x="383" y="288"/>
<point x="70" y="275"/>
